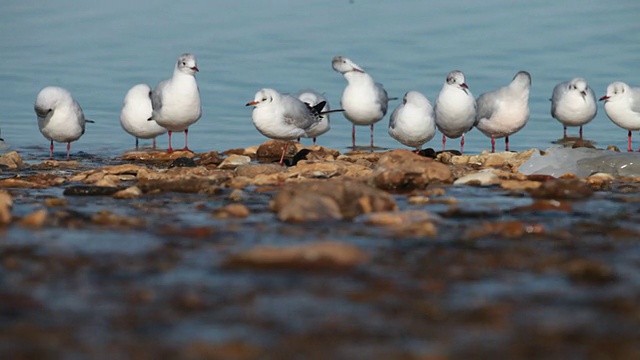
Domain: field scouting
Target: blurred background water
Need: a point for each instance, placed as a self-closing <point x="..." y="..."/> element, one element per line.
<point x="98" y="50"/>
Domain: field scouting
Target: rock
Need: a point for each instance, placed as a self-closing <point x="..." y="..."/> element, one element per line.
<point x="12" y="160"/>
<point x="272" y="149"/>
<point x="20" y="183"/>
<point x="54" y="202"/>
<point x="194" y="185"/>
<point x="35" y="219"/>
<point x="562" y="189"/>
<point x="237" y="195"/>
<point x="315" y="255"/>
<point x="352" y="198"/>
<point x="557" y="161"/>
<point x="483" y="177"/>
<point x="187" y="180"/>
<point x="545" y="205"/>
<point x="405" y="170"/>
<point x="123" y="172"/>
<point x="209" y="158"/>
<point x="589" y="271"/>
<point x="519" y="185"/>
<point x="6" y="203"/>
<point x="183" y="162"/>
<point x="506" y="229"/>
<point x="310" y="207"/>
<point x="233" y="161"/>
<point x="392" y="218"/>
<point x="83" y="190"/>
<point x="131" y="192"/>
<point x="232" y="211"/>
<point x="253" y="170"/>
<point x="109" y="218"/>
<point x="107" y="181"/>
<point x="157" y="155"/>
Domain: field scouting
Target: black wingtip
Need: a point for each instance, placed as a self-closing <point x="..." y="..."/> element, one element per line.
<point x="89" y="121"/>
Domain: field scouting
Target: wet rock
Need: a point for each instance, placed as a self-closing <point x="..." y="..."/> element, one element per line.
<point x="506" y="229"/>
<point x="311" y="207"/>
<point x="157" y="155"/>
<point x="35" y="219"/>
<point x="562" y="189"/>
<point x="253" y="170"/>
<point x="315" y="255"/>
<point x="12" y="160"/>
<point x="183" y="162"/>
<point x="237" y="195"/>
<point x="210" y="158"/>
<point x="131" y="192"/>
<point x="54" y="202"/>
<point x="405" y="170"/>
<point x="107" y="181"/>
<point x="36" y="181"/>
<point x="125" y="172"/>
<point x="108" y="218"/>
<point x="272" y="149"/>
<point x="352" y="198"/>
<point x="519" y="185"/>
<point x="83" y="190"/>
<point x="237" y="211"/>
<point x="6" y="203"/>
<point x="233" y="161"/>
<point x="545" y="205"/>
<point x="589" y="271"/>
<point x="194" y="185"/>
<point x="412" y="223"/>
<point x="251" y="151"/>
<point x="483" y="177"/>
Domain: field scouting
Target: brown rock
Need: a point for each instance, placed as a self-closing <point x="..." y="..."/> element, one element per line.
<point x="253" y="170"/>
<point x="6" y="203"/>
<point x="404" y="170"/>
<point x="109" y="218"/>
<point x="233" y="161"/>
<point x="20" y="183"/>
<point x="392" y="218"/>
<point x="353" y="198"/>
<point x="589" y="271"/>
<point x="210" y="158"/>
<point x="545" y="205"/>
<point x="12" y="160"/>
<point x="315" y="255"/>
<point x="53" y="202"/>
<point x="272" y="149"/>
<point x="156" y="155"/>
<point x="232" y="211"/>
<point x="35" y="219"/>
<point x="310" y="207"/>
<point x="517" y="185"/>
<point x="562" y="189"/>
<point x="128" y="193"/>
<point x="507" y="229"/>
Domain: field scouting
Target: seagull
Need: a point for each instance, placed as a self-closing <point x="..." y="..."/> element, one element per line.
<point x="455" y="108"/>
<point x="412" y="123"/>
<point x="504" y="111"/>
<point x="283" y="116"/>
<point x="312" y="98"/>
<point x="573" y="103"/>
<point x="176" y="101"/>
<point x="364" y="101"/>
<point x="60" y="117"/>
<point x="136" y="110"/>
<point x="622" y="105"/>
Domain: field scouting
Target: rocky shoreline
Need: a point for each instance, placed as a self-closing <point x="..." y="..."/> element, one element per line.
<point x="415" y="245"/>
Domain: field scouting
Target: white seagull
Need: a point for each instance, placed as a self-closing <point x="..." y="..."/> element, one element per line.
<point x="573" y="103"/>
<point x="282" y="116"/>
<point x="622" y="105"/>
<point x="176" y="101"/>
<point x="60" y="117"/>
<point x="412" y="123"/>
<point x="135" y="113"/>
<point x="364" y="101"/>
<point x="504" y="111"/>
<point x="313" y="98"/>
<point x="455" y="108"/>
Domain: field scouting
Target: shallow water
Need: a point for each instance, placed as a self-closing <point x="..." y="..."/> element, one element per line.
<point x="99" y="51"/>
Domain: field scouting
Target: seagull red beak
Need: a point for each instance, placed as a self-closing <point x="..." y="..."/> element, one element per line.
<point x="604" y="98"/>
<point x="195" y="68"/>
<point x="464" y="85"/>
<point x="252" y="103"/>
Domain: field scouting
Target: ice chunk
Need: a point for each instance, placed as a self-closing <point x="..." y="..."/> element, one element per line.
<point x="559" y="160"/>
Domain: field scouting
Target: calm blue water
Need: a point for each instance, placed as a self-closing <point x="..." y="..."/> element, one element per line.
<point x="99" y="50"/>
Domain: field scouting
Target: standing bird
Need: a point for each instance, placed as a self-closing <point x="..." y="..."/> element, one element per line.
<point x="504" y="111"/>
<point x="622" y="105"/>
<point x="573" y="103"/>
<point x="176" y="101"/>
<point x="455" y="108"/>
<point x="364" y="101"/>
<point x="312" y="99"/>
<point x="282" y="116"/>
<point x="412" y="123"/>
<point x="135" y="113"/>
<point x="60" y="117"/>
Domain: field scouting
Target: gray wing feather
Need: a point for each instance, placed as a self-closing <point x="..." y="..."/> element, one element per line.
<point x="297" y="113"/>
<point x="382" y="98"/>
<point x="635" y="104"/>
<point x="558" y="91"/>
<point x="394" y="115"/>
<point x="485" y="104"/>
<point x="156" y="96"/>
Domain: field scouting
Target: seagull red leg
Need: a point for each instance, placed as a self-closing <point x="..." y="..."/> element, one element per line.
<point x="565" y="131"/>
<point x="506" y="143"/>
<point x="629" y="142"/>
<point x="68" y="149"/>
<point x="353" y="136"/>
<point x="371" y="136"/>
<point x="444" y="143"/>
<point x="154" y="143"/>
<point x="51" y="151"/>
<point x="186" y="140"/>
<point x="462" y="144"/>
<point x="493" y="144"/>
<point x="170" y="149"/>
<point x="580" y="131"/>
<point x="284" y="150"/>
